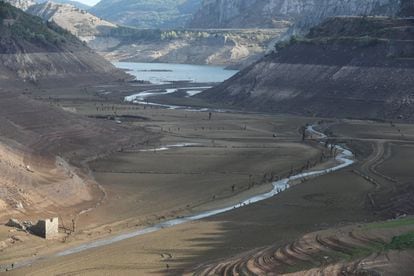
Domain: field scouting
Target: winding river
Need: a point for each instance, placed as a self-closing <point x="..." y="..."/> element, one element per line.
<point x="344" y="159"/>
<point x="143" y="97"/>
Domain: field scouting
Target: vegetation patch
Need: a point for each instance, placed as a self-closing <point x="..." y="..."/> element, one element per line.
<point x="17" y="25"/>
<point x="391" y="223"/>
<point x="402" y="242"/>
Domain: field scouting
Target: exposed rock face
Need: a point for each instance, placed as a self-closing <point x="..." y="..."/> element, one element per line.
<point x="217" y="47"/>
<point x="232" y="14"/>
<point x="269" y="13"/>
<point x="77" y="4"/>
<point x="21" y="4"/>
<point x="147" y="13"/>
<point x="79" y="22"/>
<point x="346" y="67"/>
<point x="32" y="50"/>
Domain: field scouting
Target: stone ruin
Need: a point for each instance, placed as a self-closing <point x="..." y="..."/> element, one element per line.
<point x="47" y="228"/>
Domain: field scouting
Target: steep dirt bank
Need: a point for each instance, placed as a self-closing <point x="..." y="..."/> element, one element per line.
<point x="304" y="14"/>
<point x="44" y="150"/>
<point x="32" y="50"/>
<point x="44" y="147"/>
<point x="346" y="67"/>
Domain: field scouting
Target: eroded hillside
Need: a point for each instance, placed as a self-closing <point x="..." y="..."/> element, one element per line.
<point x="147" y="13"/>
<point x="271" y="13"/>
<point x="360" y="67"/>
<point x="42" y="147"/>
<point x="214" y="47"/>
<point x="32" y="50"/>
<point x="79" y="22"/>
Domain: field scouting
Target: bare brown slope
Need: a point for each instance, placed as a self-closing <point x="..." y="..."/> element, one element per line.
<point x="346" y="67"/>
<point x="43" y="149"/>
<point x="304" y="14"/>
<point x="43" y="154"/>
<point x="32" y="50"/>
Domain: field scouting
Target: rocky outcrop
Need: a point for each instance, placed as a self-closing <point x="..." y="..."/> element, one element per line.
<point x="76" y="4"/>
<point x="232" y="14"/>
<point x="147" y="14"/>
<point x="21" y="4"/>
<point x="271" y="13"/>
<point x="216" y="47"/>
<point x="118" y="43"/>
<point x="79" y="22"/>
<point x="358" y="67"/>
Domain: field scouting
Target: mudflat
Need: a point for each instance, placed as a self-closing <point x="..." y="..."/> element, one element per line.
<point x="212" y="163"/>
<point x="207" y="164"/>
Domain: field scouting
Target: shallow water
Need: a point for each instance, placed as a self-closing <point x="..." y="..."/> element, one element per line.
<point x="161" y="73"/>
<point x="144" y="98"/>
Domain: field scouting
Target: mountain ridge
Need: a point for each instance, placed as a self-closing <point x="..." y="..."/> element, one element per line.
<point x="79" y="22"/>
<point x="146" y="13"/>
<point x="269" y="13"/>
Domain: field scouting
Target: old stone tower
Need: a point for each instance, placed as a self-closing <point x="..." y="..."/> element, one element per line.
<point x="48" y="228"/>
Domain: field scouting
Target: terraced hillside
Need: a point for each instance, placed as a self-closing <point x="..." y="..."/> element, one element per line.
<point x="373" y="249"/>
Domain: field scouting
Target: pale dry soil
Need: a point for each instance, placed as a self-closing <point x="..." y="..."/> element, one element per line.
<point x="143" y="188"/>
<point x="146" y="187"/>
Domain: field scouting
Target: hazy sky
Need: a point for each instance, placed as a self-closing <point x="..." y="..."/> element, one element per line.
<point x="89" y="2"/>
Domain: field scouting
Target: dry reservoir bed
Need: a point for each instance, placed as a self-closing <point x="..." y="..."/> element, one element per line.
<point x="232" y="157"/>
<point x="144" y="187"/>
<point x="229" y="158"/>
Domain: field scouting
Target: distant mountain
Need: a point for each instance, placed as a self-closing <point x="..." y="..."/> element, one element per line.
<point x="147" y="13"/>
<point x="358" y="67"/>
<point x="70" y="2"/>
<point x="269" y="13"/>
<point x="236" y="48"/>
<point x="79" y="22"/>
<point x="25" y="4"/>
<point x="21" y="4"/>
<point x="34" y="50"/>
